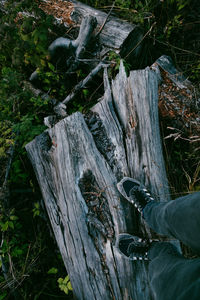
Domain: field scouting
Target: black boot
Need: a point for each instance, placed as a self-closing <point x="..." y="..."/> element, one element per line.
<point x="133" y="247"/>
<point x="134" y="192"/>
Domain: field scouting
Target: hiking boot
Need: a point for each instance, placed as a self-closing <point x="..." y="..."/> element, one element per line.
<point x="135" y="193"/>
<point x="133" y="247"/>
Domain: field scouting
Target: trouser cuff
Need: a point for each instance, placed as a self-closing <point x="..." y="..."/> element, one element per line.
<point x="164" y="249"/>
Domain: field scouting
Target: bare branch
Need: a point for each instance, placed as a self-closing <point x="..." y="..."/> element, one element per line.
<point x="83" y="83"/>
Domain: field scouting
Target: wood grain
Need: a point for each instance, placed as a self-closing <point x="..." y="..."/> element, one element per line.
<point x="78" y="163"/>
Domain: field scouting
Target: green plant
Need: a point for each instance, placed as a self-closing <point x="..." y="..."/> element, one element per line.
<point x="64" y="284"/>
<point x="36" y="209"/>
<point x="25" y="243"/>
<point x="52" y="271"/>
<point x="7" y="221"/>
<point x="3" y="295"/>
<point x="6" y="139"/>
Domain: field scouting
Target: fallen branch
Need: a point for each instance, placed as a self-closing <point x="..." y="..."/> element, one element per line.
<point x="115" y="33"/>
<point x="106" y="19"/>
<point x="74" y="49"/>
<point x="83" y="83"/>
<point x="39" y="93"/>
<point x="60" y="109"/>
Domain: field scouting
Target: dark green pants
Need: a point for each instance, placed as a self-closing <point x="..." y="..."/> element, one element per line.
<point x="172" y="276"/>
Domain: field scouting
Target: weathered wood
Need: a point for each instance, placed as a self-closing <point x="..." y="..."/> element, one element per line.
<point x="111" y="34"/>
<point x="137" y="100"/>
<point x="78" y="163"/>
<point x="67" y="52"/>
<point x="88" y="24"/>
<point x="73" y="50"/>
<point x="166" y="64"/>
<point x="116" y="34"/>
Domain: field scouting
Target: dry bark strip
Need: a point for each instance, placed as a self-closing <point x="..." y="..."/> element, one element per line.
<point x="78" y="163"/>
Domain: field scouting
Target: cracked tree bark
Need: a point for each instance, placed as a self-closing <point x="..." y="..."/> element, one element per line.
<point x="78" y="163"/>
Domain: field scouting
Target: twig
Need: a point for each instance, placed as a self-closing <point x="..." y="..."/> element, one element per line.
<point x="147" y="33"/>
<point x="4" y="270"/>
<point x="106" y="19"/>
<point x="118" y="8"/>
<point x="82" y="83"/>
<point x="96" y="91"/>
<point x="8" y="282"/>
<point x="12" y="150"/>
<point x="183" y="50"/>
<point x="25" y="264"/>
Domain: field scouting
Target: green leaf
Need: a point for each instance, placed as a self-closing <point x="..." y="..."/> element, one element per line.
<point x="13" y="218"/>
<point x="37" y="205"/>
<point x="65" y="290"/>
<point x="64" y="284"/>
<point x="51" y="67"/>
<point x="3" y="296"/>
<point x="24" y="37"/>
<point x="52" y="271"/>
<point x="66" y="279"/>
<point x="60" y="280"/>
<point x="4" y="226"/>
<point x="47" y="81"/>
<point x="69" y="286"/>
<point x="16" y="252"/>
<point x="85" y="92"/>
<point x="11" y="225"/>
<point x="36" y="212"/>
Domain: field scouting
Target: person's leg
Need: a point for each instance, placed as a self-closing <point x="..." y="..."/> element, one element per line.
<point x="172" y="276"/>
<point x="178" y="218"/>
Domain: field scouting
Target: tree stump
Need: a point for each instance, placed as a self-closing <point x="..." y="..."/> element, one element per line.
<point x="78" y="163"/>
